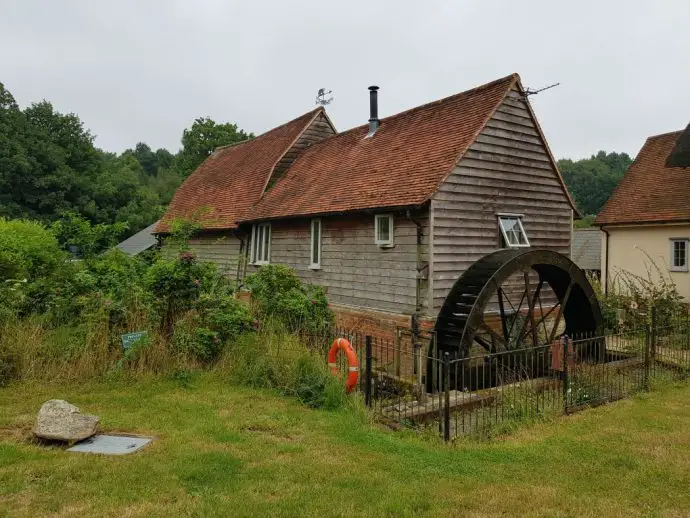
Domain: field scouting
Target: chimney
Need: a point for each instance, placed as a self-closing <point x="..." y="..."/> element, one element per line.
<point x="373" y="111"/>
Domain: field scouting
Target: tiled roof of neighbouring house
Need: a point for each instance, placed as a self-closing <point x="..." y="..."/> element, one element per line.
<point x="401" y="165"/>
<point x="650" y="192"/>
<point x="221" y="190"/>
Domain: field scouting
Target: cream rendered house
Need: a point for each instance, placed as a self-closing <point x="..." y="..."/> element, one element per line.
<point x="646" y="221"/>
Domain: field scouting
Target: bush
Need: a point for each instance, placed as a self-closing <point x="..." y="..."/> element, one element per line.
<point x="29" y="254"/>
<point x="204" y="331"/>
<point x="278" y="360"/>
<point x="27" y="250"/>
<point x="177" y="284"/>
<point x="279" y="295"/>
<point x="78" y="235"/>
<point x="632" y="299"/>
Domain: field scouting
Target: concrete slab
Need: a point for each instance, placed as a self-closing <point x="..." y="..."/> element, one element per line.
<point x="111" y="444"/>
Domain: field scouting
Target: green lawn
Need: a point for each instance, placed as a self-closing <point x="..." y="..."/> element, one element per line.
<point x="223" y="451"/>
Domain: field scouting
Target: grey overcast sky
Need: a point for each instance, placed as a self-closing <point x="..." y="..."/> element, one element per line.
<point x="143" y="70"/>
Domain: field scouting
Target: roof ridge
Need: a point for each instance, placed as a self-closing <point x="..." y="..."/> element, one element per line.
<point x="458" y="94"/>
<point x="421" y="106"/>
<point x="650" y="137"/>
<point x="312" y="114"/>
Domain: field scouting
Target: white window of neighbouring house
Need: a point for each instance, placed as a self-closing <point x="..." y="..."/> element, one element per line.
<point x="512" y="233"/>
<point x="261" y="243"/>
<point x="679" y="255"/>
<point x="315" y="260"/>
<point x="383" y="230"/>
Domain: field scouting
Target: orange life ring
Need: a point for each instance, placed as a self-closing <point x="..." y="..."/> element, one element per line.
<point x="341" y="344"/>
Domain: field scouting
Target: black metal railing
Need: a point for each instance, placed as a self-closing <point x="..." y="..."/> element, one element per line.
<point x="409" y="384"/>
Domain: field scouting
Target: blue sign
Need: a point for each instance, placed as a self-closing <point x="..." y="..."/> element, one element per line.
<point x="129" y="339"/>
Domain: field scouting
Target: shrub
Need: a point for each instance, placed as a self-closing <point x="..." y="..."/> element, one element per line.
<point x="632" y="299"/>
<point x="27" y="250"/>
<point x="279" y="295"/>
<point x="205" y="330"/>
<point x="176" y="285"/>
<point x="78" y="235"/>
<point x="278" y="360"/>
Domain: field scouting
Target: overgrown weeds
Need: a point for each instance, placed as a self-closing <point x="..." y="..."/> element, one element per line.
<point x="64" y="319"/>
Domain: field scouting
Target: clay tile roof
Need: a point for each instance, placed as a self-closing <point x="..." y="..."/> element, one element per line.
<point x="221" y="190"/>
<point x="650" y="192"/>
<point x="401" y="165"/>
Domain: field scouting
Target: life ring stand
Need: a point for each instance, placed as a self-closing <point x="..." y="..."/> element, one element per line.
<point x="341" y="344"/>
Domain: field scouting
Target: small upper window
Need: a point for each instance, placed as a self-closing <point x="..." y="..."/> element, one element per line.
<point x="512" y="232"/>
<point x="679" y="255"/>
<point x="383" y="234"/>
<point x="261" y="243"/>
<point x="315" y="261"/>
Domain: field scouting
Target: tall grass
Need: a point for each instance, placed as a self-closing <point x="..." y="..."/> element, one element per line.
<point x="271" y="358"/>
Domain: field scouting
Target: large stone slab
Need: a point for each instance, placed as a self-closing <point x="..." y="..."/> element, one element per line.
<point x="59" y="420"/>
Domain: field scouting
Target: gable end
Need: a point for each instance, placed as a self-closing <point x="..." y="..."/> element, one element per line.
<point x="319" y="129"/>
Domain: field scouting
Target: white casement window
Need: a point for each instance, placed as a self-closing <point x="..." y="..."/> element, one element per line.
<point x="261" y="243"/>
<point x="512" y="233"/>
<point x="315" y="254"/>
<point x="679" y="255"/>
<point x="383" y="230"/>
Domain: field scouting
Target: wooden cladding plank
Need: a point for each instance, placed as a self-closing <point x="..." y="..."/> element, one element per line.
<point x="514" y="120"/>
<point x="551" y="208"/>
<point x="510" y="161"/>
<point x="523" y="131"/>
<point x="510" y="140"/>
<point x="520" y="178"/>
<point x="517" y="151"/>
<point x="498" y="129"/>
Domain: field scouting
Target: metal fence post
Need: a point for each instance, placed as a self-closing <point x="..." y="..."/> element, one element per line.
<point x="566" y="374"/>
<point x="367" y="372"/>
<point x="647" y="355"/>
<point x="652" y="337"/>
<point x="446" y="389"/>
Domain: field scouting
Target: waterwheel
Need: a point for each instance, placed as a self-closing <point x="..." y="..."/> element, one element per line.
<point x="514" y="300"/>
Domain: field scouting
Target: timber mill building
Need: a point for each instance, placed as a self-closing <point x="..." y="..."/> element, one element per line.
<point x="385" y="216"/>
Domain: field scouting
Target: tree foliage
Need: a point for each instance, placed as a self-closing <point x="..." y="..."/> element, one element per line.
<point x="49" y="167"/>
<point x="591" y="181"/>
<point x="199" y="141"/>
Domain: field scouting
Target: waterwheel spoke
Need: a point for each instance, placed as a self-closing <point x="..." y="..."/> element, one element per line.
<point x="516" y="313"/>
<point x="523" y="324"/>
<point x="561" y="308"/>
<point x="542" y="320"/>
<point x="490" y="347"/>
<point x="531" y="301"/>
<point x="504" y="320"/>
<point x="496" y="339"/>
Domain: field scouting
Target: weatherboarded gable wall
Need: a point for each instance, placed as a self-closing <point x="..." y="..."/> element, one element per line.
<point x="506" y="170"/>
<point x="220" y="248"/>
<point x="354" y="270"/>
<point x="318" y="130"/>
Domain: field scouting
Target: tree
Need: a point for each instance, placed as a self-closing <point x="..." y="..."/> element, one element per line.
<point x="199" y="141"/>
<point x="591" y="181"/>
<point x="49" y="166"/>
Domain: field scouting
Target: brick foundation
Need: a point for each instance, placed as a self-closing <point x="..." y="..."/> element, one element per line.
<point x="378" y="324"/>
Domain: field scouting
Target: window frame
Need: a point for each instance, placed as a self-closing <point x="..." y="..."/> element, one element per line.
<point x="262" y="230"/>
<point x="384" y="243"/>
<point x="315" y="265"/>
<point x="504" y="234"/>
<point x="672" y="254"/>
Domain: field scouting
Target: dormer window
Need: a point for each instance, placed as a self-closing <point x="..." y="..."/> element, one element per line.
<point x="512" y="233"/>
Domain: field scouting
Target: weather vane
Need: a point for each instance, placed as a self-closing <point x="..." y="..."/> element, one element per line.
<point x="321" y="97"/>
